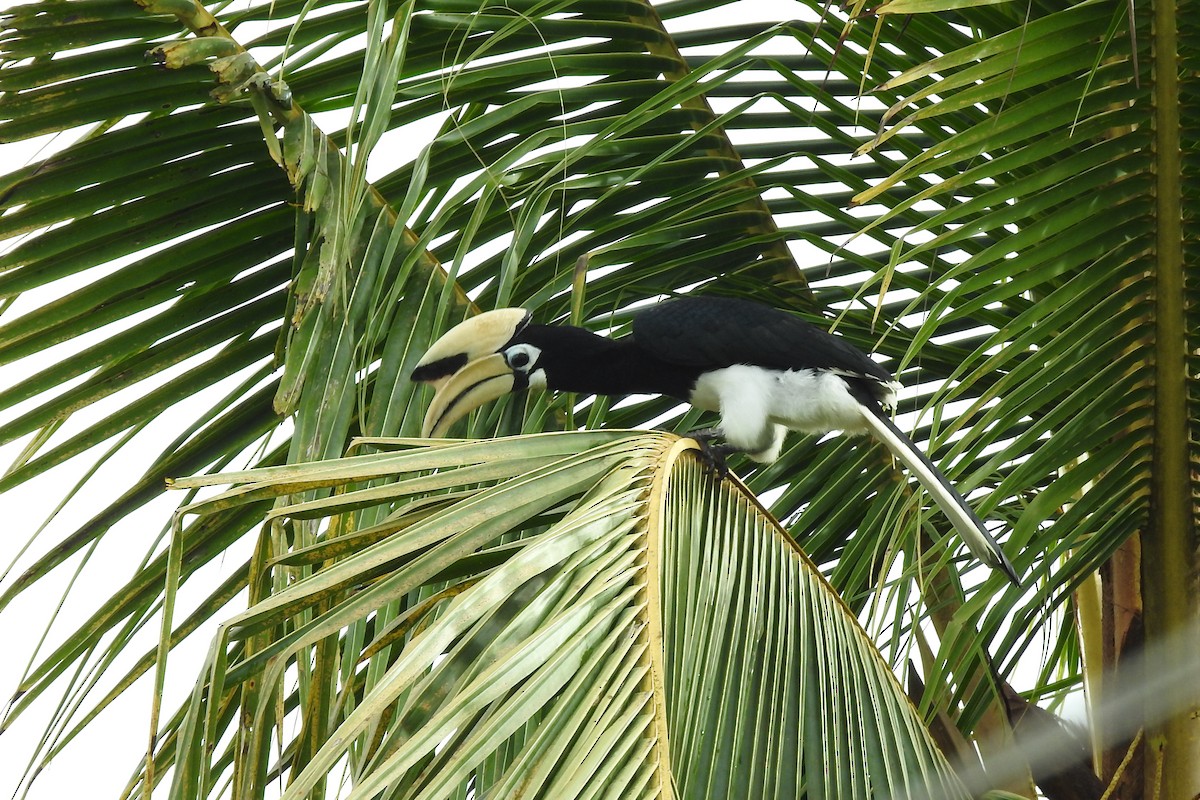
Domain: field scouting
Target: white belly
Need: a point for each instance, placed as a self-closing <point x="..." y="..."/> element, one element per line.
<point x="751" y="400"/>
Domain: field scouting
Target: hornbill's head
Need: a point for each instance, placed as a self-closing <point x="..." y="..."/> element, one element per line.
<point x="478" y="360"/>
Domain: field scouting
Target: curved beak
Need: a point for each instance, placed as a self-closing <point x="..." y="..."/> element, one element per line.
<point x="466" y="369"/>
<point x="474" y="338"/>
<point x="482" y="380"/>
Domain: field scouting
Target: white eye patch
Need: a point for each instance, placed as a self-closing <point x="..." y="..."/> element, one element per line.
<point x="521" y="357"/>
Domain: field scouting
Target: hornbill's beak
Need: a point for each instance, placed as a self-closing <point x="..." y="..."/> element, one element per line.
<point x="466" y="368"/>
<point x="478" y="382"/>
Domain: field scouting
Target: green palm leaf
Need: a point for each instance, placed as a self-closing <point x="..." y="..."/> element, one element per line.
<point x="608" y="637"/>
<point x="222" y="229"/>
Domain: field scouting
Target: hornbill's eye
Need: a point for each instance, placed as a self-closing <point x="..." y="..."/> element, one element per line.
<point x="521" y="356"/>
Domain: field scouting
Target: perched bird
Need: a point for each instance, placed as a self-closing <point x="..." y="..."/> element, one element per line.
<point x="763" y="370"/>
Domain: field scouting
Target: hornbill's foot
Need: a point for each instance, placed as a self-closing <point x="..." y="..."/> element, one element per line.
<point x="713" y="455"/>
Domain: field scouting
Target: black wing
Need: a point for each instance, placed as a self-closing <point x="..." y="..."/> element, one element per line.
<point x="716" y="332"/>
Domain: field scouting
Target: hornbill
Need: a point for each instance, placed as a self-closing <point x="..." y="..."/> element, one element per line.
<point x="765" y="371"/>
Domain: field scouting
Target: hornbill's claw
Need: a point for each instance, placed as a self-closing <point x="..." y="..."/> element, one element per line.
<point x="713" y="455"/>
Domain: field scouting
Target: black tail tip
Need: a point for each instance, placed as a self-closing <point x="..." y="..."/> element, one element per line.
<point x="1009" y="571"/>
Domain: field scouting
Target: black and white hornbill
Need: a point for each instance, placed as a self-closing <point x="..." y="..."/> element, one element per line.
<point x="765" y="371"/>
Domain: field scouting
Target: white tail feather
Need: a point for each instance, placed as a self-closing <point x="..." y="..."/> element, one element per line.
<point x="966" y="522"/>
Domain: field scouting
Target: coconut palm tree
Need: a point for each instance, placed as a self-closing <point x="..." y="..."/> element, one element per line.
<point x="257" y="216"/>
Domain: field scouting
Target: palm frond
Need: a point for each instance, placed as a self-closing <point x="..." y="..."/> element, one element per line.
<point x="581" y="610"/>
<point x="222" y="226"/>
